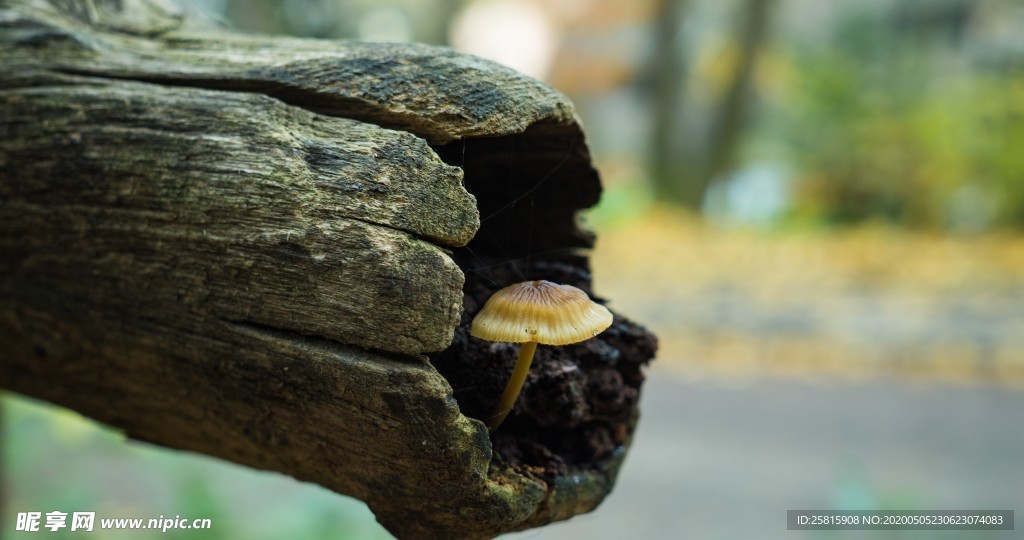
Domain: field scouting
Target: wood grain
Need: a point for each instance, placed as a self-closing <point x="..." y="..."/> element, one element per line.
<point x="242" y="246"/>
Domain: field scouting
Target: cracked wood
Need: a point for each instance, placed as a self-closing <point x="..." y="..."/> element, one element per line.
<point x="239" y="246"/>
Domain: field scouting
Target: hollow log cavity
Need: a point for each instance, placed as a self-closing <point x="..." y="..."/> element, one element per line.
<point x="578" y="408"/>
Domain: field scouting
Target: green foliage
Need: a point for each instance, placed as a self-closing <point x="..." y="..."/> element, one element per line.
<point x="906" y="129"/>
<point x="620" y="203"/>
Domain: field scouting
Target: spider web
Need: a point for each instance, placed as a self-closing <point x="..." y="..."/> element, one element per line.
<point x="523" y="205"/>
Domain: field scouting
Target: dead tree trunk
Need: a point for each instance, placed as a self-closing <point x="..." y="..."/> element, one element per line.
<point x="247" y="246"/>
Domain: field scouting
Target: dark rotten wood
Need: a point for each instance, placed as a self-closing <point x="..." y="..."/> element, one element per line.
<point x="240" y="246"/>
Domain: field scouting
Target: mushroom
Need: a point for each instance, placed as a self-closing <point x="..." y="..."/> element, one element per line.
<point x="535" y="312"/>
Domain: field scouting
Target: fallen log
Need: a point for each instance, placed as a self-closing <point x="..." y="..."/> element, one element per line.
<point x="268" y="249"/>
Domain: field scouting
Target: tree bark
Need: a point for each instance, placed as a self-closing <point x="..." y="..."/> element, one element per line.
<point x="686" y="157"/>
<point x="246" y="246"/>
<point x="667" y="73"/>
<point x="732" y="111"/>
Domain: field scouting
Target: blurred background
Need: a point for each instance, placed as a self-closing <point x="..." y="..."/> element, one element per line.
<point x="817" y="206"/>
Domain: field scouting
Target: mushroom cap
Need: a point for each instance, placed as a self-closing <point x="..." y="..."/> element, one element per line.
<point x="540" y="311"/>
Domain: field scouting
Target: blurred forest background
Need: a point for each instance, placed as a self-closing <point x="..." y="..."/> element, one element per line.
<point x="817" y="206"/>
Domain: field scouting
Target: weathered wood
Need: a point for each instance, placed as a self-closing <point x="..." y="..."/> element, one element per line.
<point x="235" y="204"/>
<point x="243" y="246"/>
<point x="437" y="93"/>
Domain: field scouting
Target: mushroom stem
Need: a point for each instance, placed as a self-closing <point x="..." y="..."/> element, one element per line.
<point x="514" y="385"/>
